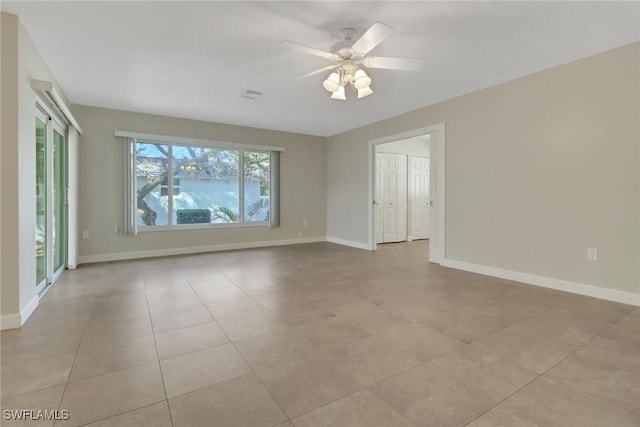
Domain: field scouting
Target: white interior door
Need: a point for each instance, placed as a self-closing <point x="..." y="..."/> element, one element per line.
<point x="403" y="198"/>
<point x="420" y="210"/>
<point x="377" y="197"/>
<point x="394" y="196"/>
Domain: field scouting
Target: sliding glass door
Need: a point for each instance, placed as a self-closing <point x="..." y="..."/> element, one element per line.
<point x="51" y="215"/>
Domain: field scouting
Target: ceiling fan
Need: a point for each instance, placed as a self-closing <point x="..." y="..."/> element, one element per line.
<point x="348" y="57"/>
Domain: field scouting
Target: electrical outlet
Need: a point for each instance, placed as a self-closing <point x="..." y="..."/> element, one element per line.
<point x="299" y="234"/>
<point x="592" y="254"/>
<point x="85" y="234"/>
<point x="305" y="223"/>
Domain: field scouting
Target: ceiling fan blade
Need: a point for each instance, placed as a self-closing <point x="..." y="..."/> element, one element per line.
<point x="330" y="67"/>
<point x="309" y="50"/>
<point x="375" y="35"/>
<point x="390" y="63"/>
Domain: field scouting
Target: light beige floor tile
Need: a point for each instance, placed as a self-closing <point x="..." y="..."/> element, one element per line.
<point x="419" y="341"/>
<point x="193" y="371"/>
<point x="99" y="360"/>
<point x="36" y="374"/>
<point x="500" y="417"/>
<point x="177" y="319"/>
<point x="550" y="403"/>
<point x="121" y="330"/>
<point x="329" y="332"/>
<point x="428" y="398"/>
<point x="41" y="323"/>
<point x="626" y="330"/>
<point x="295" y="317"/>
<point x="172" y="279"/>
<point x="47" y="399"/>
<point x="600" y="379"/>
<point x="215" y="281"/>
<point x="392" y="309"/>
<point x="623" y="355"/>
<point x="274" y="349"/>
<point x="251" y="325"/>
<point x="290" y="299"/>
<point x="20" y="348"/>
<point x="169" y="291"/>
<point x="304" y="385"/>
<point x="559" y="325"/>
<point x="343" y="305"/>
<point x="220" y="295"/>
<point x="375" y="320"/>
<point x="119" y="312"/>
<point x="239" y="402"/>
<point x="535" y="354"/>
<point x="115" y="299"/>
<point x="361" y="409"/>
<point x="192" y="338"/>
<point x="370" y="359"/>
<point x="160" y="305"/>
<point x="120" y="286"/>
<point x="485" y="373"/>
<point x="234" y="308"/>
<point x="106" y="395"/>
<point x="156" y="415"/>
<point x="455" y="325"/>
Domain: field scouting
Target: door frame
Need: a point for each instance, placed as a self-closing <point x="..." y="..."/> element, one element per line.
<point x="438" y="159"/>
<point x="53" y="123"/>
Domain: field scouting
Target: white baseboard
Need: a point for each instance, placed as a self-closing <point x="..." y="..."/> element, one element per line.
<point x="194" y="250"/>
<point x="15" y="320"/>
<point x="548" y="282"/>
<point x="344" y="242"/>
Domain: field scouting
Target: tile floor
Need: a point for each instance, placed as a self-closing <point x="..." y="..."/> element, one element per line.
<point x="319" y="335"/>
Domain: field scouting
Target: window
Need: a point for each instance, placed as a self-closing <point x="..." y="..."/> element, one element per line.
<point x="210" y="186"/>
<point x="164" y="187"/>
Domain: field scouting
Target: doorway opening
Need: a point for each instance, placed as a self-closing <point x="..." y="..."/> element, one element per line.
<point x="407" y="189"/>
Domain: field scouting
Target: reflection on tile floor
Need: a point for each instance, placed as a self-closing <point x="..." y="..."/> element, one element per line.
<point x="319" y="335"/>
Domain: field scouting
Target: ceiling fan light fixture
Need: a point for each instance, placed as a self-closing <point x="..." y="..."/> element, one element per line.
<point x="332" y="83"/>
<point x="339" y="94"/>
<point x="364" y="92"/>
<point x="361" y="80"/>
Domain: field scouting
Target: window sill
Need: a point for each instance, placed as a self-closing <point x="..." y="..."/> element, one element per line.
<point x="148" y="229"/>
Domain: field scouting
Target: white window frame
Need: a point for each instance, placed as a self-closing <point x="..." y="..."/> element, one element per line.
<point x="131" y="217"/>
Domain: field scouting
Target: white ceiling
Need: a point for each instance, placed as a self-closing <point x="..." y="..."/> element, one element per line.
<point x="196" y="59"/>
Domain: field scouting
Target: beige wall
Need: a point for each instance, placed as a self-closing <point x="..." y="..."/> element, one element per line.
<point x="21" y="62"/>
<point x="303" y="183"/>
<point x="9" y="237"/>
<point x="538" y="169"/>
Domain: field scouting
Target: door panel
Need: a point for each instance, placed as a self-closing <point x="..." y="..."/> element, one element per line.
<point x="420" y="210"/>
<point x="51" y="208"/>
<point x="59" y="202"/>
<point x="378" y="199"/>
<point x="394" y="198"/>
<point x="41" y="202"/>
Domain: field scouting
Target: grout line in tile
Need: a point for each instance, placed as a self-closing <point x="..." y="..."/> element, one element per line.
<point x="155" y="342"/>
<point x="253" y="371"/>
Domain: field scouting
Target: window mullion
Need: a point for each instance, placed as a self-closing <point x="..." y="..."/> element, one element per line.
<point x="241" y="181"/>
<point x="170" y="185"/>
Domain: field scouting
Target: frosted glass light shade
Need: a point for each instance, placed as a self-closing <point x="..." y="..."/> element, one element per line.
<point x="332" y="83"/>
<point x="361" y="80"/>
<point x="339" y="94"/>
<point x="364" y="92"/>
